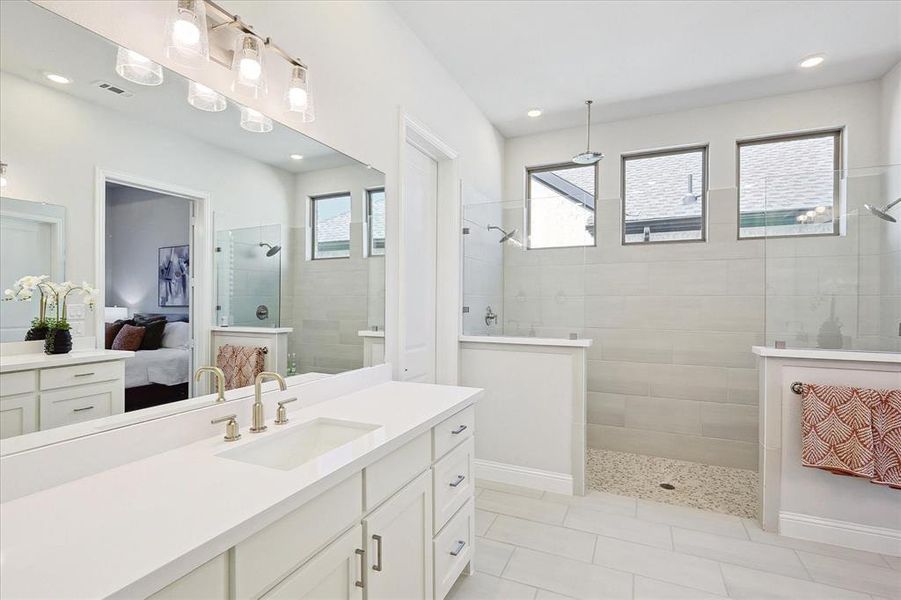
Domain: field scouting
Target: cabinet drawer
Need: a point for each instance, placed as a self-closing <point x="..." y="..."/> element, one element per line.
<point x="58" y="377"/>
<point x="453" y="430"/>
<point x="453" y="549"/>
<point x="453" y="481"/>
<point x="77" y="404"/>
<point x="265" y="558"/>
<point x="394" y="471"/>
<point x="20" y="382"/>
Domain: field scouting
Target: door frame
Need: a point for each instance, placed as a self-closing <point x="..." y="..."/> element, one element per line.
<point x="448" y="272"/>
<point x="200" y="309"/>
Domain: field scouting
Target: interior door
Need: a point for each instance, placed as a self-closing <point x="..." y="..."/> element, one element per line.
<point x="419" y="265"/>
<point x="399" y="544"/>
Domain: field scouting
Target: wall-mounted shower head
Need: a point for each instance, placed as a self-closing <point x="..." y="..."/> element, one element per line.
<point x="505" y="236"/>
<point x="882" y="213"/>
<point x="273" y="250"/>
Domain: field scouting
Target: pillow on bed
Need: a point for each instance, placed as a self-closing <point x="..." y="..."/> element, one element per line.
<point x="153" y="333"/>
<point x="176" y="335"/>
<point x="112" y="330"/>
<point x="129" y="338"/>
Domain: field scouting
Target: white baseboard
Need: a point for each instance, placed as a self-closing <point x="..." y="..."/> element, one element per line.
<point x="841" y="533"/>
<point x="548" y="481"/>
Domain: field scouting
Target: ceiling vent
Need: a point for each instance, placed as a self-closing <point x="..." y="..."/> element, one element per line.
<point x="104" y="85"/>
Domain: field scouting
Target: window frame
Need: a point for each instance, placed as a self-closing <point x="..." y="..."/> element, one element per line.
<point x="313" y="200"/>
<point x="837" y="133"/>
<point x="368" y="206"/>
<point x="705" y="157"/>
<point x="527" y="213"/>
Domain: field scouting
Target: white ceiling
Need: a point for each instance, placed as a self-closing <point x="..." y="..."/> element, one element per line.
<point x="636" y="58"/>
<point x="34" y="41"/>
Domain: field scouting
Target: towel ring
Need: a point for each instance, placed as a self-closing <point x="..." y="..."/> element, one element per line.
<point x="797" y="387"/>
<point x="264" y="349"/>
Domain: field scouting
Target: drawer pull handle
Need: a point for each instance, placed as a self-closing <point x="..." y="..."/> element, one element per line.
<point x="459" y="430"/>
<point x="362" y="555"/>
<point x="458" y="548"/>
<point x="378" y="553"/>
<point x="84" y="374"/>
<point x="83" y="408"/>
<point x="457" y="481"/>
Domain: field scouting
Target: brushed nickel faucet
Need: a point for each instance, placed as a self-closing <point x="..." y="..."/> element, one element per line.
<point x="259" y="420"/>
<point x="217" y="373"/>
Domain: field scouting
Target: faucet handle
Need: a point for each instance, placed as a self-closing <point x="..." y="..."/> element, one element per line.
<point x="231" y="427"/>
<point x="281" y="414"/>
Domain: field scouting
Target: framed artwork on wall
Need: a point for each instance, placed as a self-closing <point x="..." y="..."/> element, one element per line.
<point x="174" y="269"/>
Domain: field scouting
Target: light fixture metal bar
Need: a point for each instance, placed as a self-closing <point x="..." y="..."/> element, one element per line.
<point x="235" y="21"/>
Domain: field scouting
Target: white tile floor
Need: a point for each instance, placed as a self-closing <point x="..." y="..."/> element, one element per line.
<point x="542" y="546"/>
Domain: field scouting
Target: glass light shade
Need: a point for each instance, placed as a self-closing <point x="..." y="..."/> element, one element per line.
<point x="204" y="98"/>
<point x="187" y="41"/>
<point x="247" y="65"/>
<point x="255" y="121"/>
<point x="300" y="95"/>
<point x="137" y="68"/>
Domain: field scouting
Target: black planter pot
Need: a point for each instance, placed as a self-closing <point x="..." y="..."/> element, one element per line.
<point x="36" y="333"/>
<point x="59" y="341"/>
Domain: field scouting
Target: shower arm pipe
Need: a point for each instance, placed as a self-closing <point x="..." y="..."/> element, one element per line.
<point x="891" y="204"/>
<point x="232" y="20"/>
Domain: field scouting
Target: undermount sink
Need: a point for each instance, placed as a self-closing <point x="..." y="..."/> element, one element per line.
<point x="289" y="449"/>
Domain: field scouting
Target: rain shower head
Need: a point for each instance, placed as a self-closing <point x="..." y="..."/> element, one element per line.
<point x="882" y="213"/>
<point x="505" y="236"/>
<point x="273" y="250"/>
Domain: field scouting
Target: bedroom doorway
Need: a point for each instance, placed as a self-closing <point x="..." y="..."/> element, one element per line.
<point x="149" y="267"/>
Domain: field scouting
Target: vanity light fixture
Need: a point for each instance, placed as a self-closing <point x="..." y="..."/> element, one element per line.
<point x="247" y="64"/>
<point x="204" y="98"/>
<point x="299" y="98"/>
<point x="57" y="78"/>
<point x="296" y="157"/>
<point x="137" y="68"/>
<point x="812" y="61"/>
<point x="187" y="38"/>
<point x="255" y="121"/>
<point x="3" y="181"/>
<point x="534" y="113"/>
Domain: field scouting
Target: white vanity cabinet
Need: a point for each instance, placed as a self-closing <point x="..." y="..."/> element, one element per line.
<point x="403" y="527"/>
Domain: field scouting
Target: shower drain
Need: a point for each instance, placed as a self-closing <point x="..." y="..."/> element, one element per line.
<point x="667" y="486"/>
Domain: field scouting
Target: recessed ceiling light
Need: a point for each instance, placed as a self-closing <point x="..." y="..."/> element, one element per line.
<point x="812" y="61"/>
<point x="57" y="78"/>
<point x="296" y="157"/>
<point x="535" y="112"/>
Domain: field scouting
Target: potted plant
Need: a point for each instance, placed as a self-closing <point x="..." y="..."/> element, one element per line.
<point x="59" y="332"/>
<point x="23" y="291"/>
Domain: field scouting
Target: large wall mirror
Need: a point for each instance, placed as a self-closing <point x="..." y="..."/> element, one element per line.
<point x="179" y="206"/>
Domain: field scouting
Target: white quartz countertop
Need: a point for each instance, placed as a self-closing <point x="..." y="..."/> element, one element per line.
<point x="821" y="354"/>
<point x="527" y="341"/>
<point x="24" y="362"/>
<point x="370" y="333"/>
<point x="226" y="329"/>
<point x="129" y="531"/>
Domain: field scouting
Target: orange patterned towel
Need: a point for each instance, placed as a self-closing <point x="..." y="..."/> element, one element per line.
<point x="852" y="431"/>
<point x="241" y="364"/>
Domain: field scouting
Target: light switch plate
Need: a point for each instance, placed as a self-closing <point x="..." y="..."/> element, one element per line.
<point x="75" y="312"/>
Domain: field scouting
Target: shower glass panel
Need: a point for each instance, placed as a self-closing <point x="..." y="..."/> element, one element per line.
<point x="833" y="266"/>
<point x="510" y="291"/>
<point x="248" y="276"/>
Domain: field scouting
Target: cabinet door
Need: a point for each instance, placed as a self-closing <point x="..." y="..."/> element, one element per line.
<point x="209" y="581"/>
<point x="399" y="544"/>
<point x="334" y="574"/>
<point x="18" y="414"/>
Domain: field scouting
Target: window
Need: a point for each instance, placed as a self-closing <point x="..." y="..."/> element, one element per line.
<point x="375" y="217"/>
<point x="560" y="205"/>
<point x="665" y="196"/>
<point x="788" y="185"/>
<point x="330" y="218"/>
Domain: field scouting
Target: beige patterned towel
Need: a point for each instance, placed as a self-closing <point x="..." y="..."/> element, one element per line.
<point x="852" y="431"/>
<point x="241" y="364"/>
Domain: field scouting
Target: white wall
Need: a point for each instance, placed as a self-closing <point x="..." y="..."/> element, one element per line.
<point x="138" y="224"/>
<point x="671" y="372"/>
<point x="365" y="66"/>
<point x="56" y="162"/>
